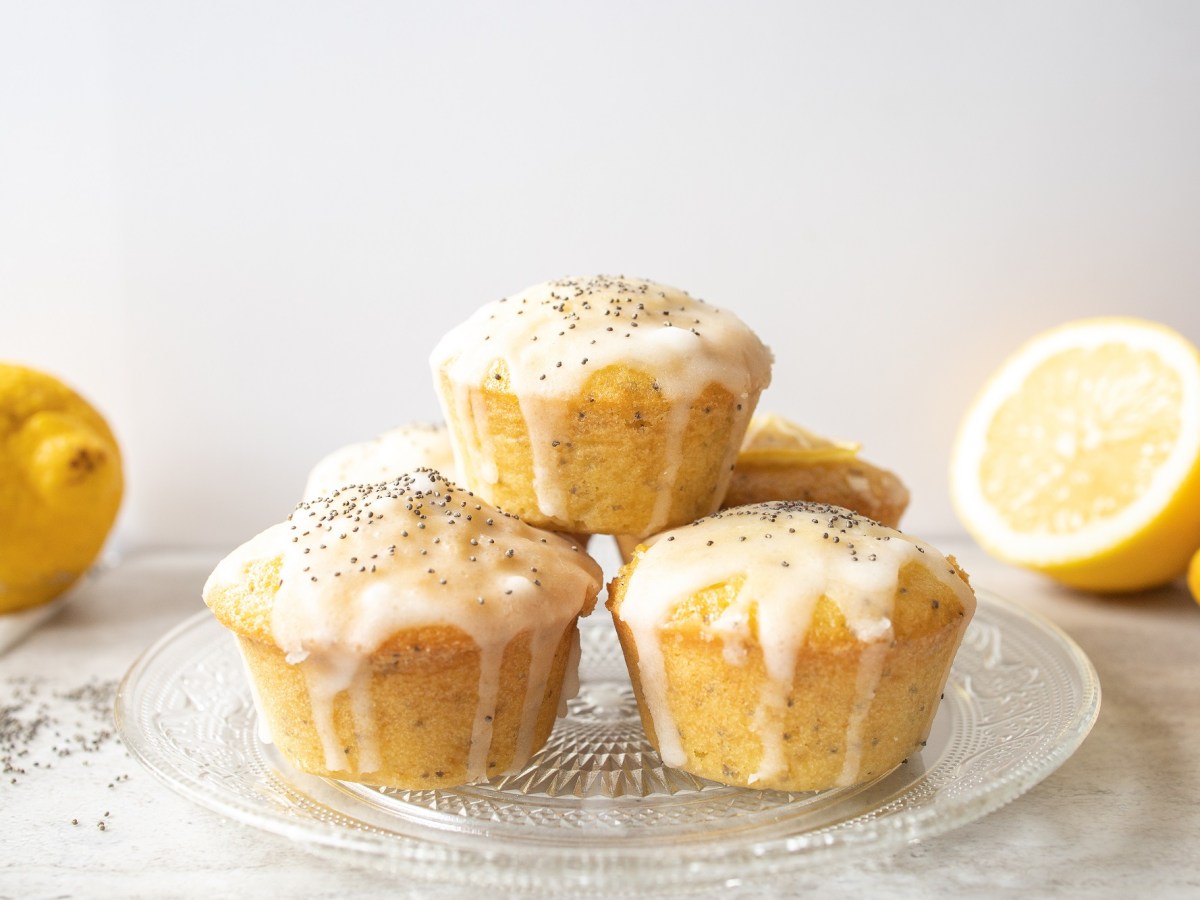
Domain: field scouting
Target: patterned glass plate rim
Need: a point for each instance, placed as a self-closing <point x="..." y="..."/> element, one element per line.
<point x="596" y="809"/>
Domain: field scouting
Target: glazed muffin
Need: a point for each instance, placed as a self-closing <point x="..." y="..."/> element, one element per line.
<point x="383" y="458"/>
<point x="407" y="633"/>
<point x="601" y="405"/>
<point x="789" y="645"/>
<point x="779" y="460"/>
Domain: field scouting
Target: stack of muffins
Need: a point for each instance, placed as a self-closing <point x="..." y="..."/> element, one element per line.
<point x="414" y="621"/>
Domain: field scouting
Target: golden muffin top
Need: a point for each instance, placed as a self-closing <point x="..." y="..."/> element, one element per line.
<point x="383" y="458"/>
<point x="772" y="439"/>
<point x="349" y="571"/>
<point x="551" y="337"/>
<point x="788" y="573"/>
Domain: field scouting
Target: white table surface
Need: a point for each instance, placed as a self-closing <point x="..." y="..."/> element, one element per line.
<point x="1120" y="818"/>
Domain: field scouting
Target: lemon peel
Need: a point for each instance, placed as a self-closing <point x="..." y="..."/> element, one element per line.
<point x="60" y="486"/>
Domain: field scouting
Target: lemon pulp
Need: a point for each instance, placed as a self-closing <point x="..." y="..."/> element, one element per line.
<point x="1081" y="457"/>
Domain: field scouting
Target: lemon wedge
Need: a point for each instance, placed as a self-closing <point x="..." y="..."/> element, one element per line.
<point x="1080" y="458"/>
<point x="60" y="486"/>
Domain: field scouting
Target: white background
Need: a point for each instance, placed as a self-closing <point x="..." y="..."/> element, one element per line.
<point x="239" y="227"/>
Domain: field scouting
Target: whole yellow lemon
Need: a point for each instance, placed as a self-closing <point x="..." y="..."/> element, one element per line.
<point x="60" y="486"/>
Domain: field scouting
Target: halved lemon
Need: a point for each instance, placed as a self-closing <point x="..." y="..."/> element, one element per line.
<point x="1081" y="456"/>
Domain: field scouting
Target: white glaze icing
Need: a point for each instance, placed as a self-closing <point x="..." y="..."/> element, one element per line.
<point x="383" y="458"/>
<point x="553" y="336"/>
<point x="371" y="561"/>
<point x="264" y="733"/>
<point x="786" y="555"/>
<point x="570" y="687"/>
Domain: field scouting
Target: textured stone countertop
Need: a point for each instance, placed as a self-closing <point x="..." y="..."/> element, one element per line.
<point x="79" y="817"/>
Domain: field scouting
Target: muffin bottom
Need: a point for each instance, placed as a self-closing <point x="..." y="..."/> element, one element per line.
<point x="409" y="720"/>
<point x="716" y="704"/>
<point x="618" y="458"/>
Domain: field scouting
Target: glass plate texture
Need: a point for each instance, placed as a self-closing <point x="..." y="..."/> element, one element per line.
<point x="595" y="809"/>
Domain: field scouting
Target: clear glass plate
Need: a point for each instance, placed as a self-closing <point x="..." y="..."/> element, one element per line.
<point x="596" y="809"/>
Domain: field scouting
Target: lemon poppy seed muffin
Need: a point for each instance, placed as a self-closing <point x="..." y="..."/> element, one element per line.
<point x="395" y="452"/>
<point x="601" y="405"/>
<point x="789" y="645"/>
<point x="406" y="634"/>
<point x="779" y="460"/>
